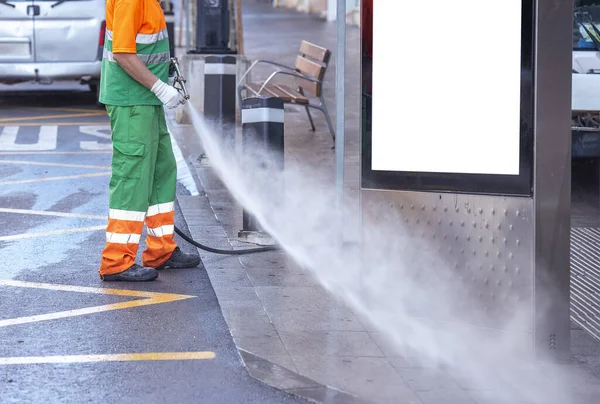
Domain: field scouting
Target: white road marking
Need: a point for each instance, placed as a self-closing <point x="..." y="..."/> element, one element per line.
<point x="68" y="177"/>
<point x="41" y="163"/>
<point x="150" y="356"/>
<point x="51" y="233"/>
<point x="53" y="153"/>
<point x="184" y="175"/>
<point x="46" y="141"/>
<point x="74" y="288"/>
<point x="96" y="131"/>
<point x="50" y="213"/>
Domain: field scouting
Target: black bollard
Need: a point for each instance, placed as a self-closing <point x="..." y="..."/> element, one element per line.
<point x="212" y="22"/>
<point x="220" y="95"/>
<point x="262" y="150"/>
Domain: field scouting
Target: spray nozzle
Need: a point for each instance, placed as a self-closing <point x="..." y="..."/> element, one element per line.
<point x="179" y="80"/>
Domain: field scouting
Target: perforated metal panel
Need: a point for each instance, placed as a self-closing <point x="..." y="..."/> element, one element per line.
<point x="485" y="241"/>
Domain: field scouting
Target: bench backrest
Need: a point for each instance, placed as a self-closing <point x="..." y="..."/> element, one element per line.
<point x="312" y="61"/>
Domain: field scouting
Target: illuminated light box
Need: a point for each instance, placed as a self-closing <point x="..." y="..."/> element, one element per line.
<point x="448" y="96"/>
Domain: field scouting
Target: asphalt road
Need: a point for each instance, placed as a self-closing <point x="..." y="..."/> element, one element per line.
<point x="64" y="335"/>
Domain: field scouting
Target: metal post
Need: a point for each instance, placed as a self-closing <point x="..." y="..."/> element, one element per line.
<point x="340" y="104"/>
<point x="262" y="150"/>
<point x="220" y="95"/>
<point x="188" y="25"/>
<point x="170" y="20"/>
<point x="552" y="180"/>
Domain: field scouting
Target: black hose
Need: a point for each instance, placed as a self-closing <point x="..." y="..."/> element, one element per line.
<point x="219" y="251"/>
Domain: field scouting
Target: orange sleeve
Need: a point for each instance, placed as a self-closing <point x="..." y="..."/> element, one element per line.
<point x="127" y="22"/>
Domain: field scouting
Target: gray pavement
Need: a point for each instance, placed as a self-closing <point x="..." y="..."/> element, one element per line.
<point x="278" y="311"/>
<point x="53" y="199"/>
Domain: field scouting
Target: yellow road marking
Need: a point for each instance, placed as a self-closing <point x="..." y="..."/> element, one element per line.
<point x="68" y="177"/>
<point x="151" y="356"/>
<point x="150" y="298"/>
<point x="51" y="213"/>
<point x="81" y="312"/>
<point x="38" y="163"/>
<point x="51" y="233"/>
<point x="35" y="118"/>
<point x="55" y="152"/>
<point x="60" y="123"/>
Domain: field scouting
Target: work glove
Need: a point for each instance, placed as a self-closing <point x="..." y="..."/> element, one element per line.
<point x="167" y="94"/>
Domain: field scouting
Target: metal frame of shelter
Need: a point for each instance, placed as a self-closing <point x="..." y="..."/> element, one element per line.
<point x="531" y="211"/>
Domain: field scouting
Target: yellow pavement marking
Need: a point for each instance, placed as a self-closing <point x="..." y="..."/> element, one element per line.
<point x="61" y="123"/>
<point x="68" y="177"/>
<point x="38" y="163"/>
<point x="51" y="233"/>
<point x="11" y="153"/>
<point x="62" y="116"/>
<point x="151" y="356"/>
<point x="150" y="298"/>
<point x="51" y="213"/>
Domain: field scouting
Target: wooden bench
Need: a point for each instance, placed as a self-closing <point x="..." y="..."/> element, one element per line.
<point x="308" y="74"/>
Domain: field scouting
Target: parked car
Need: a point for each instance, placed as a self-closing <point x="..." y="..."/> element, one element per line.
<point x="49" y="40"/>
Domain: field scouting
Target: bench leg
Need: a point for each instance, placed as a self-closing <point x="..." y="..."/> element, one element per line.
<point x="240" y="89"/>
<point x="312" y="124"/>
<point x="323" y="108"/>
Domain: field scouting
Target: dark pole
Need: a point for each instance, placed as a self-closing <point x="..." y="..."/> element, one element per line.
<point x="170" y="20"/>
<point x="263" y="146"/>
<point x="220" y="95"/>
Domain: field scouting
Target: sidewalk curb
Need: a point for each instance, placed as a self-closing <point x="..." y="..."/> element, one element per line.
<point x="202" y="216"/>
<point x="282" y="378"/>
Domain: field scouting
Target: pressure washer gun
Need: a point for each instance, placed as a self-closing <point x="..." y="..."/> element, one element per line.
<point x="178" y="79"/>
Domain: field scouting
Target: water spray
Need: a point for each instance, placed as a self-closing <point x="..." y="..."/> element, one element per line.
<point x="179" y="84"/>
<point x="401" y="283"/>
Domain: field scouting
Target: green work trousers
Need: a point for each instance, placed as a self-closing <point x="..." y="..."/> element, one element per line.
<point x="142" y="188"/>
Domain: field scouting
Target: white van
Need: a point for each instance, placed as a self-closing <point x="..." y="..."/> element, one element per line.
<point x="48" y="40"/>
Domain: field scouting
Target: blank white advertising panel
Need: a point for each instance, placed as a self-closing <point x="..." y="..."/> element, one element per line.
<point x="446" y="86"/>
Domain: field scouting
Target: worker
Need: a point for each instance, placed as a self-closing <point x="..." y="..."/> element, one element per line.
<point x="134" y="89"/>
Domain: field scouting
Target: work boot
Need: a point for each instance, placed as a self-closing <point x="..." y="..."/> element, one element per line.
<point x="180" y="259"/>
<point x="135" y="273"/>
